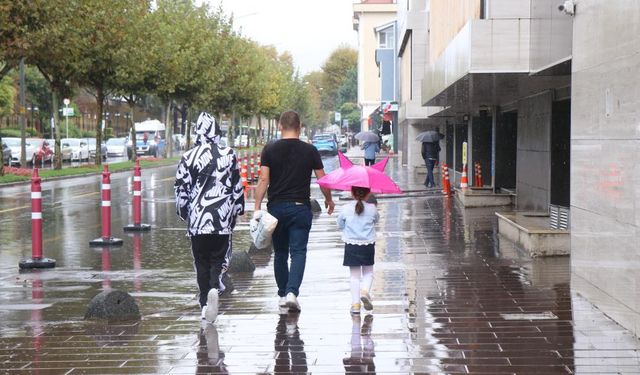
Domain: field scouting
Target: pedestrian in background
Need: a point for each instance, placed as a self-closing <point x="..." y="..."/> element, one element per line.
<point x="370" y="150"/>
<point x="285" y="175"/>
<point x="209" y="196"/>
<point x="430" y="153"/>
<point x="357" y="220"/>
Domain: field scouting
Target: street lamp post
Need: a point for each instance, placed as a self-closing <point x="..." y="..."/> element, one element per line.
<point x="66" y="115"/>
<point x="117" y="114"/>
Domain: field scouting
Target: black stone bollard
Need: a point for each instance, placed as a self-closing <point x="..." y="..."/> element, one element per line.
<point x="241" y="262"/>
<point x="113" y="305"/>
<point x="315" y="206"/>
<point x="228" y="285"/>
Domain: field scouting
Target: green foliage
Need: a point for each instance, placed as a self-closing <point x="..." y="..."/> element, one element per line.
<point x="38" y="91"/>
<point x="7" y="96"/>
<point x="15" y="132"/>
<point x="351" y="112"/>
<point x="348" y="91"/>
<point x="335" y="69"/>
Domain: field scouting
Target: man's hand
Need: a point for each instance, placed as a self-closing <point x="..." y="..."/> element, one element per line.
<point x="257" y="214"/>
<point x="329" y="205"/>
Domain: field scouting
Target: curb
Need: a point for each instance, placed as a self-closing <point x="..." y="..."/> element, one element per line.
<point x="27" y="182"/>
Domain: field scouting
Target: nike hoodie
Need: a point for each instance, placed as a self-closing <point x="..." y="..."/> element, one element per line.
<point x="208" y="189"/>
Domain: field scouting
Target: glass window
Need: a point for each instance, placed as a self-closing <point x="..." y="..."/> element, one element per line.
<point x="386" y="38"/>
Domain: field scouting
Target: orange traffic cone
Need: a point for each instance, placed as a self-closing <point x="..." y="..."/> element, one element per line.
<point x="243" y="173"/>
<point x="446" y="184"/>
<point x="464" y="181"/>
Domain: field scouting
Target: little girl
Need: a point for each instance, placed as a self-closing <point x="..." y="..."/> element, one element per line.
<point x="357" y="221"/>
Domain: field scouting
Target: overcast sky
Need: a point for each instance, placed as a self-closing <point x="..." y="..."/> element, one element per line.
<point x="309" y="29"/>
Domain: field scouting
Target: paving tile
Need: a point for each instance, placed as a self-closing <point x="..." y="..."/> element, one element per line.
<point x="441" y="284"/>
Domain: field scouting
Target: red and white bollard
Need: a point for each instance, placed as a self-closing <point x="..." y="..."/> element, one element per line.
<point x="137" y="225"/>
<point x="37" y="260"/>
<point x="106" y="239"/>
<point x="252" y="165"/>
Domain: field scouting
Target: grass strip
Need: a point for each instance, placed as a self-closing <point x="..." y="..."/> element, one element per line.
<point x="47" y="173"/>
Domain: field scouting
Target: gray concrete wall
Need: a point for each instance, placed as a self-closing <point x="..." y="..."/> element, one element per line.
<point x="605" y="171"/>
<point x="534" y="152"/>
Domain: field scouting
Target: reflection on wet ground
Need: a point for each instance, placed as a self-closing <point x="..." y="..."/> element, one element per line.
<point x="450" y="296"/>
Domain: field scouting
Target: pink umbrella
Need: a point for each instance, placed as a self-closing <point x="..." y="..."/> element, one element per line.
<point x="349" y="175"/>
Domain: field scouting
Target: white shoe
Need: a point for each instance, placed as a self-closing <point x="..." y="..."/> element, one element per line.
<point x="292" y="302"/>
<point x="282" y="302"/>
<point x="211" y="310"/>
<point x="202" y="312"/>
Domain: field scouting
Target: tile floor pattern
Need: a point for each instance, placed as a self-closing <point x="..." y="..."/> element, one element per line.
<point x="450" y="298"/>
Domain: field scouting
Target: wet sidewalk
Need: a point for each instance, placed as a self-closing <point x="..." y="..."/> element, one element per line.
<point x="450" y="298"/>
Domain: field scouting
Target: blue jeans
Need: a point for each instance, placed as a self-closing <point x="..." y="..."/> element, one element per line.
<point x="431" y="163"/>
<point x="290" y="240"/>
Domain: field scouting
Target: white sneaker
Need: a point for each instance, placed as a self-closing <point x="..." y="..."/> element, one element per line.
<point x="282" y="302"/>
<point x="292" y="302"/>
<point x="202" y="312"/>
<point x="211" y="310"/>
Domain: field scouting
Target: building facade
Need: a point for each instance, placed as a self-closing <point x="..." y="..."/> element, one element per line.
<point x="547" y="100"/>
<point x="368" y="15"/>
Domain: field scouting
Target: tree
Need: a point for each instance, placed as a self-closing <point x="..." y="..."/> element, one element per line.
<point x="184" y="41"/>
<point x="18" y="21"/>
<point x="61" y="67"/>
<point x="335" y="70"/>
<point x="348" y="91"/>
<point x="104" y="34"/>
<point x="7" y="96"/>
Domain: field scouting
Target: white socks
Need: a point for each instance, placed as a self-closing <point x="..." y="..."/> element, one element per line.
<point x="361" y="279"/>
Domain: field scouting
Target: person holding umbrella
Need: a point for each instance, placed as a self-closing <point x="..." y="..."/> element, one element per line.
<point x="430" y="153"/>
<point x="357" y="221"/>
<point x="371" y="146"/>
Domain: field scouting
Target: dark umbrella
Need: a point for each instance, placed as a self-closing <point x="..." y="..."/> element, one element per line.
<point x="429" y="136"/>
<point x="367" y="137"/>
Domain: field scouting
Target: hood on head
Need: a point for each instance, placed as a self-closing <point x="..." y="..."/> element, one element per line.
<point x="207" y="129"/>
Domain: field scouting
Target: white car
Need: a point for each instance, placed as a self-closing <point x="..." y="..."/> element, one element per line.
<point x="79" y="148"/>
<point x="241" y="141"/>
<point x="117" y="147"/>
<point x="14" y="145"/>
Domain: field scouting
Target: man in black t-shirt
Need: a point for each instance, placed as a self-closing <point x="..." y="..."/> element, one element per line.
<point x="285" y="175"/>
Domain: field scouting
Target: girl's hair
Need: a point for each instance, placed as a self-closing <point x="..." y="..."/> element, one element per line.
<point x="359" y="193"/>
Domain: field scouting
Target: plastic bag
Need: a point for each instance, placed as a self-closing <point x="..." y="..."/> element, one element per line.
<point x="261" y="227"/>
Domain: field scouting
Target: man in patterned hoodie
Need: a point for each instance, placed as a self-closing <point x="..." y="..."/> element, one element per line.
<point x="209" y="196"/>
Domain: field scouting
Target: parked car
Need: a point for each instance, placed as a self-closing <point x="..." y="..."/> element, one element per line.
<point x="79" y="148"/>
<point x="14" y="145"/>
<point x="42" y="151"/>
<point x="6" y="154"/>
<point x="326" y="144"/>
<point x="66" y="150"/>
<point x="117" y="147"/>
<point x="91" y="142"/>
<point x="343" y="141"/>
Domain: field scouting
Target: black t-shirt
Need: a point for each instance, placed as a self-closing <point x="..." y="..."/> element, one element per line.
<point x="290" y="163"/>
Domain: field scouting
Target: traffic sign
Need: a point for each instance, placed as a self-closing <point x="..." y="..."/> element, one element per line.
<point x="66" y="101"/>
